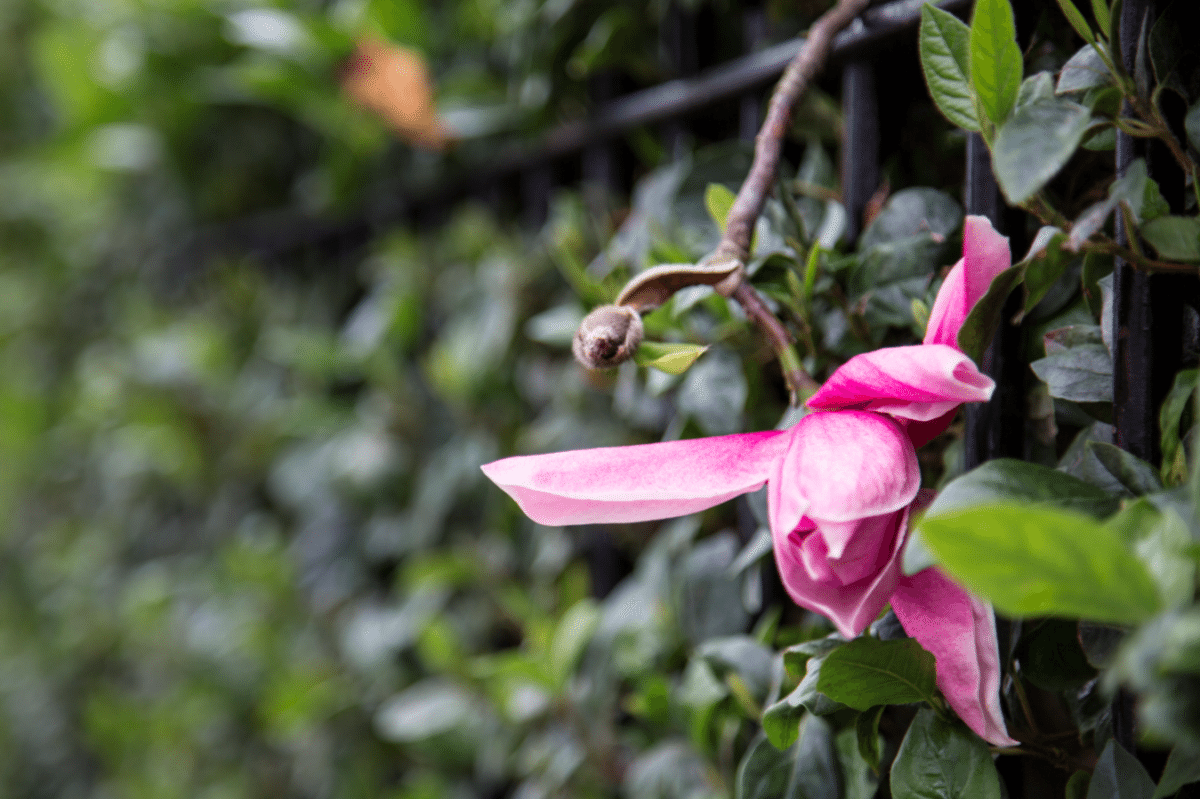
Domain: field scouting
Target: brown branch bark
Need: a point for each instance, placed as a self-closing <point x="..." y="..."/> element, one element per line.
<point x="739" y="223"/>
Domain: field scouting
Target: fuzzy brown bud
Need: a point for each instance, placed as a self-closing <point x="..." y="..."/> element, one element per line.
<point x="609" y="335"/>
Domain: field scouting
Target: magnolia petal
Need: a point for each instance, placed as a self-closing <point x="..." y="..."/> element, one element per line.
<point x="842" y="467"/>
<point x="850" y="607"/>
<point x="960" y="631"/>
<point x="985" y="254"/>
<point x="638" y="483"/>
<point x="921" y="382"/>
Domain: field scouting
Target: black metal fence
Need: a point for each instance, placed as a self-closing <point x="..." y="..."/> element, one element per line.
<point x="1148" y="311"/>
<point x="1148" y="321"/>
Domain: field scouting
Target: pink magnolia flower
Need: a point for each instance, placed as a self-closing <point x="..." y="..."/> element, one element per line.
<point x="840" y="487"/>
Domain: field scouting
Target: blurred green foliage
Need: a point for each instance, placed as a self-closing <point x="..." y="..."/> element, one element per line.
<point x="245" y="547"/>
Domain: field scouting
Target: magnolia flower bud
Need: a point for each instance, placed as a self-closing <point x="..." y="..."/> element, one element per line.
<point x="609" y="335"/>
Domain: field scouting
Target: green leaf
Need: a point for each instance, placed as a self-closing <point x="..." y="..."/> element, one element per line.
<point x="1036" y="87"/>
<point x="1100" y="12"/>
<point x="1161" y="539"/>
<point x="1044" y="264"/>
<point x="1183" y="768"/>
<point x="1191" y="123"/>
<point x="1119" y="775"/>
<point x="867" y="734"/>
<point x="946" y="60"/>
<point x="1005" y="479"/>
<point x="1171" y="418"/>
<point x="742" y="655"/>
<point x="781" y="720"/>
<point x="1084" y="70"/>
<point x="1176" y="238"/>
<point x="860" y="776"/>
<point x="1134" y="475"/>
<point x="573" y="633"/>
<point x="980" y="325"/>
<point x="868" y="672"/>
<point x="718" y="199"/>
<point x="1035" y="143"/>
<point x="806" y="770"/>
<point x="1037" y="561"/>
<point x="1077" y="20"/>
<point x="674" y="359"/>
<point x="1080" y="374"/>
<point x="937" y="759"/>
<point x="995" y="58"/>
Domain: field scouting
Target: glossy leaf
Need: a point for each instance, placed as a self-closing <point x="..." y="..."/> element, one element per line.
<point x="995" y="58"/>
<point x="1032" y="146"/>
<point x="1119" y="775"/>
<point x="1084" y="70"/>
<point x="868" y="672"/>
<point x="806" y="770"/>
<point x="1005" y="479"/>
<point x="945" y="59"/>
<point x="1176" y="238"/>
<point x="674" y="359"/>
<point x="980" y="325"/>
<point x="1183" y="768"/>
<point x="1032" y="561"/>
<point x="1079" y="374"/>
<point x="937" y="760"/>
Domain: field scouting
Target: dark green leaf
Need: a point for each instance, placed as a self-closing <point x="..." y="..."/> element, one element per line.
<point x="941" y="761"/>
<point x="867" y="732"/>
<point x="781" y="720"/>
<point x="1005" y="479"/>
<point x="1191" y="124"/>
<point x="1100" y="642"/>
<point x="945" y="59"/>
<point x="868" y="672"/>
<point x="1183" y="768"/>
<point x="980" y="325"/>
<point x="1176" y="238"/>
<point x="995" y="58"/>
<point x="861" y="779"/>
<point x="1135" y="475"/>
<point x="1084" y="70"/>
<point x="1044" y="264"/>
<point x="1035" y="143"/>
<point x="742" y="655"/>
<point x="1079" y="374"/>
<point x="917" y="211"/>
<point x="806" y="770"/>
<point x="1175" y="409"/>
<point x="1119" y="775"/>
<point x="1101" y="13"/>
<point x="1034" y="560"/>
<point x="1077" y="785"/>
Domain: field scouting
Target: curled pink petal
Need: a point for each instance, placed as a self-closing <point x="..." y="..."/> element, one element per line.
<point x="985" y="254"/>
<point x="960" y="631"/>
<point x="850" y="607"/>
<point x="638" y="483"/>
<point x="842" y="467"/>
<point x="920" y="382"/>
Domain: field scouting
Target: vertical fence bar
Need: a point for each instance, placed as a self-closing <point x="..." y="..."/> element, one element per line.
<point x="860" y="152"/>
<point x="1147" y="309"/>
<point x="679" y="33"/>
<point x="1148" y="320"/>
<point x="996" y="429"/>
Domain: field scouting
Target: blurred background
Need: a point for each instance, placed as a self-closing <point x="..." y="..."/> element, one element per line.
<point x="260" y="323"/>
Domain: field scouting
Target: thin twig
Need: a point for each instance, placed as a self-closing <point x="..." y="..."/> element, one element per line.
<point x="739" y="223"/>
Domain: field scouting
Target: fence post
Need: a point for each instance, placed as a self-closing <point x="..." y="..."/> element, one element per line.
<point x="996" y="429"/>
<point x="860" y="152"/>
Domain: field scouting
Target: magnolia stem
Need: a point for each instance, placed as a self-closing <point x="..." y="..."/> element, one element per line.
<point x="739" y="223"/>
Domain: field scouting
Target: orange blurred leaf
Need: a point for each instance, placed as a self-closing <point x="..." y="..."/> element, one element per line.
<point x="393" y="83"/>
